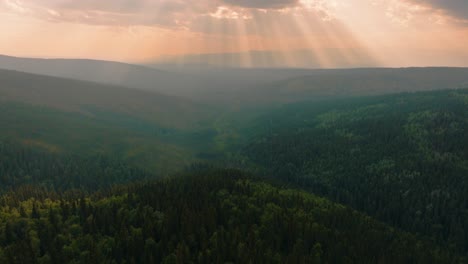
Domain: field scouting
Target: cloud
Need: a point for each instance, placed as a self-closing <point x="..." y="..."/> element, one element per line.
<point x="262" y="4"/>
<point x="297" y="23"/>
<point x="420" y="12"/>
<point x="165" y="13"/>
<point x="181" y="14"/>
<point x="455" y="8"/>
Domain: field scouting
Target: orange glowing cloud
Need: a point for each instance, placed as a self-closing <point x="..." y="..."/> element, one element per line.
<point x="295" y="33"/>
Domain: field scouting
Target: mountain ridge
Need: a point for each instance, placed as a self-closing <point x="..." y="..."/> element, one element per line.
<point x="244" y="86"/>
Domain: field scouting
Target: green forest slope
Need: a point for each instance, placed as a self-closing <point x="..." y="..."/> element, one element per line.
<point x="207" y="216"/>
<point x="401" y="158"/>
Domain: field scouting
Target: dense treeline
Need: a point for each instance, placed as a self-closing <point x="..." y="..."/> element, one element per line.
<point x="21" y="165"/>
<point x="400" y="158"/>
<point x="208" y="216"/>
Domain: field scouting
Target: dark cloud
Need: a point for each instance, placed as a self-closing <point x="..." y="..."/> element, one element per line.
<point x="131" y="6"/>
<point x="164" y="13"/>
<point x="455" y="8"/>
<point x="262" y="4"/>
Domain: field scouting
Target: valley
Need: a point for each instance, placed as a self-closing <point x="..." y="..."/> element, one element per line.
<point x="390" y="164"/>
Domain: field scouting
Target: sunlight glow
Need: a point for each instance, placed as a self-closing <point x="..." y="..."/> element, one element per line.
<point x="312" y="33"/>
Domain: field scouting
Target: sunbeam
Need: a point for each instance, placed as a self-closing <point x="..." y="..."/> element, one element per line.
<point x="306" y="33"/>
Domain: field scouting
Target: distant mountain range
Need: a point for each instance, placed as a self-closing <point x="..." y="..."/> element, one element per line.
<point x="276" y="59"/>
<point x="241" y="86"/>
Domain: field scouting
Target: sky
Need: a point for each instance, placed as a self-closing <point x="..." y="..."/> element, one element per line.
<point x="246" y="33"/>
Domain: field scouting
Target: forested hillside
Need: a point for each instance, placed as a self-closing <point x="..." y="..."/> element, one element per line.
<point x="135" y="141"/>
<point x="148" y="129"/>
<point x="91" y="99"/>
<point x="78" y="177"/>
<point x="22" y="165"/>
<point x="401" y="158"/>
<point x="206" y="216"/>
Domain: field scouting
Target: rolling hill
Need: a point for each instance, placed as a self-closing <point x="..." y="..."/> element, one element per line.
<point x="246" y="87"/>
<point x="115" y="73"/>
<point x="89" y="98"/>
<point x="400" y="158"/>
<point x="322" y="84"/>
<point x="148" y="129"/>
<point x="207" y="216"/>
